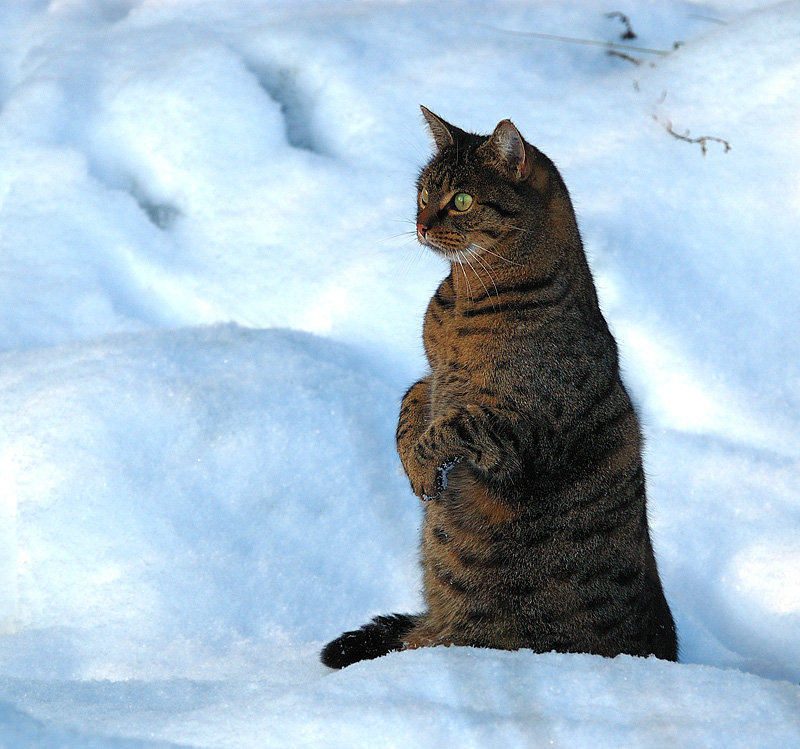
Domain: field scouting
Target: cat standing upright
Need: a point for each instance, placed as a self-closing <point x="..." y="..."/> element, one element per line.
<point x="522" y="440"/>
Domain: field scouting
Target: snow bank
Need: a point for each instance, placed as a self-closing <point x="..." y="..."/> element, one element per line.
<point x="20" y="730"/>
<point x="194" y="490"/>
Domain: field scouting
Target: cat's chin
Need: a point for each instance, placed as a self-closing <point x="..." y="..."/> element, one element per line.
<point x="452" y="255"/>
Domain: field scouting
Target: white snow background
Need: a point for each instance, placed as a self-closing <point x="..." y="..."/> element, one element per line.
<point x="210" y="306"/>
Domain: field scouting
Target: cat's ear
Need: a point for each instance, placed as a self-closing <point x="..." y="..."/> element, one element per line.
<point x="443" y="133"/>
<point x="508" y="147"/>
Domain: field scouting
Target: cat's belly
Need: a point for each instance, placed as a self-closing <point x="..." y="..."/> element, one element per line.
<point x="465" y="559"/>
<point x="495" y="576"/>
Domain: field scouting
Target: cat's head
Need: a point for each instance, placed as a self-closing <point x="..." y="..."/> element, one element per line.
<point x="479" y="192"/>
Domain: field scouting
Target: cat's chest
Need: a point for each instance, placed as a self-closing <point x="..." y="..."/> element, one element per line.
<point x="462" y="354"/>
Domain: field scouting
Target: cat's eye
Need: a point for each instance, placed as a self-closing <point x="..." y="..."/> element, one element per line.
<point x="462" y="201"/>
<point x="424" y="197"/>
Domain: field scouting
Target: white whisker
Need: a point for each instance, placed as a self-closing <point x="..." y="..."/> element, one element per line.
<point x="401" y="234"/>
<point x="500" y="257"/>
<point x="466" y="278"/>
<point x="466" y="259"/>
<point x="486" y="267"/>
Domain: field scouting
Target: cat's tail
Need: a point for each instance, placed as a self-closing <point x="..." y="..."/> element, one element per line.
<point x="384" y="634"/>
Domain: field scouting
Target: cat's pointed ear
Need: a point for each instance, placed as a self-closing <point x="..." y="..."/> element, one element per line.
<point x="443" y="133"/>
<point x="508" y="147"/>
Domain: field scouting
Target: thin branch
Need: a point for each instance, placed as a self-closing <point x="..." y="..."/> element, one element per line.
<point x="710" y="19"/>
<point x="573" y="40"/>
<point x="629" y="58"/>
<point x="703" y="140"/>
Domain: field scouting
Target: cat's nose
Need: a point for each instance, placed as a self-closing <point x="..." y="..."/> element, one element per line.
<point x="422" y="229"/>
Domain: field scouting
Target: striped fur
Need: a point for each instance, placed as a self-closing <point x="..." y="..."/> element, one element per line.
<point x="522" y="438"/>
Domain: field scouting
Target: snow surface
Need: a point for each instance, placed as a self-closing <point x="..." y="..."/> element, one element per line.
<point x="210" y="306"/>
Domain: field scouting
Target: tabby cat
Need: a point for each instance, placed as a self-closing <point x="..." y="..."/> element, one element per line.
<point x="522" y="440"/>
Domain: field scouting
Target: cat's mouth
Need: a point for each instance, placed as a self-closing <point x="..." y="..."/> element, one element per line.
<point x="443" y="251"/>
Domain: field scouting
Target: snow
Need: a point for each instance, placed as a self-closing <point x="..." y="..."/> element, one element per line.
<point x="210" y="306"/>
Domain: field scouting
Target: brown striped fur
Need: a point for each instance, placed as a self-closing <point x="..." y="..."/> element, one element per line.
<point x="522" y="438"/>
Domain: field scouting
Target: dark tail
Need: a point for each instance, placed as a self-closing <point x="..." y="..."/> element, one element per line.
<point x="384" y="634"/>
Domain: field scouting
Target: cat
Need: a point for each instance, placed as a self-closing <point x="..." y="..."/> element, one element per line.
<point x="522" y="440"/>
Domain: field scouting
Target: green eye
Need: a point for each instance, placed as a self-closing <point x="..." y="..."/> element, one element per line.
<point x="462" y="201"/>
<point x="423" y="196"/>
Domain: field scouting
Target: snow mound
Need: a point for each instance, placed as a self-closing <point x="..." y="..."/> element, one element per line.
<point x="165" y="487"/>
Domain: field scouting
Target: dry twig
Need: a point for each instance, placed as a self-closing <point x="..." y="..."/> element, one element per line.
<point x="629" y="58"/>
<point x="702" y="140"/>
<point x="592" y="42"/>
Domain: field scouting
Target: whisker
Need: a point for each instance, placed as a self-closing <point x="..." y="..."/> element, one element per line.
<point x="401" y="234"/>
<point x="486" y="267"/>
<point x="500" y="257"/>
<point x="466" y="258"/>
<point x="466" y="278"/>
<point x="409" y="258"/>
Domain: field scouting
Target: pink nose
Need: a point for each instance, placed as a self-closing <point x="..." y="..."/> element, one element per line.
<point x="422" y="230"/>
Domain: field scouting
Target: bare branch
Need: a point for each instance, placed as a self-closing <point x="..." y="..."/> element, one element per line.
<point x="702" y="140"/>
<point x="592" y="42"/>
<point x="615" y="53"/>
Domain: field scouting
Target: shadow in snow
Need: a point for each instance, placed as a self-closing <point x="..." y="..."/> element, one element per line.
<point x="282" y="86"/>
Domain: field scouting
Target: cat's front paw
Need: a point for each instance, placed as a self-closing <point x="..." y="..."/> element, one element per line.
<point x="430" y="484"/>
<point x="422" y="476"/>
